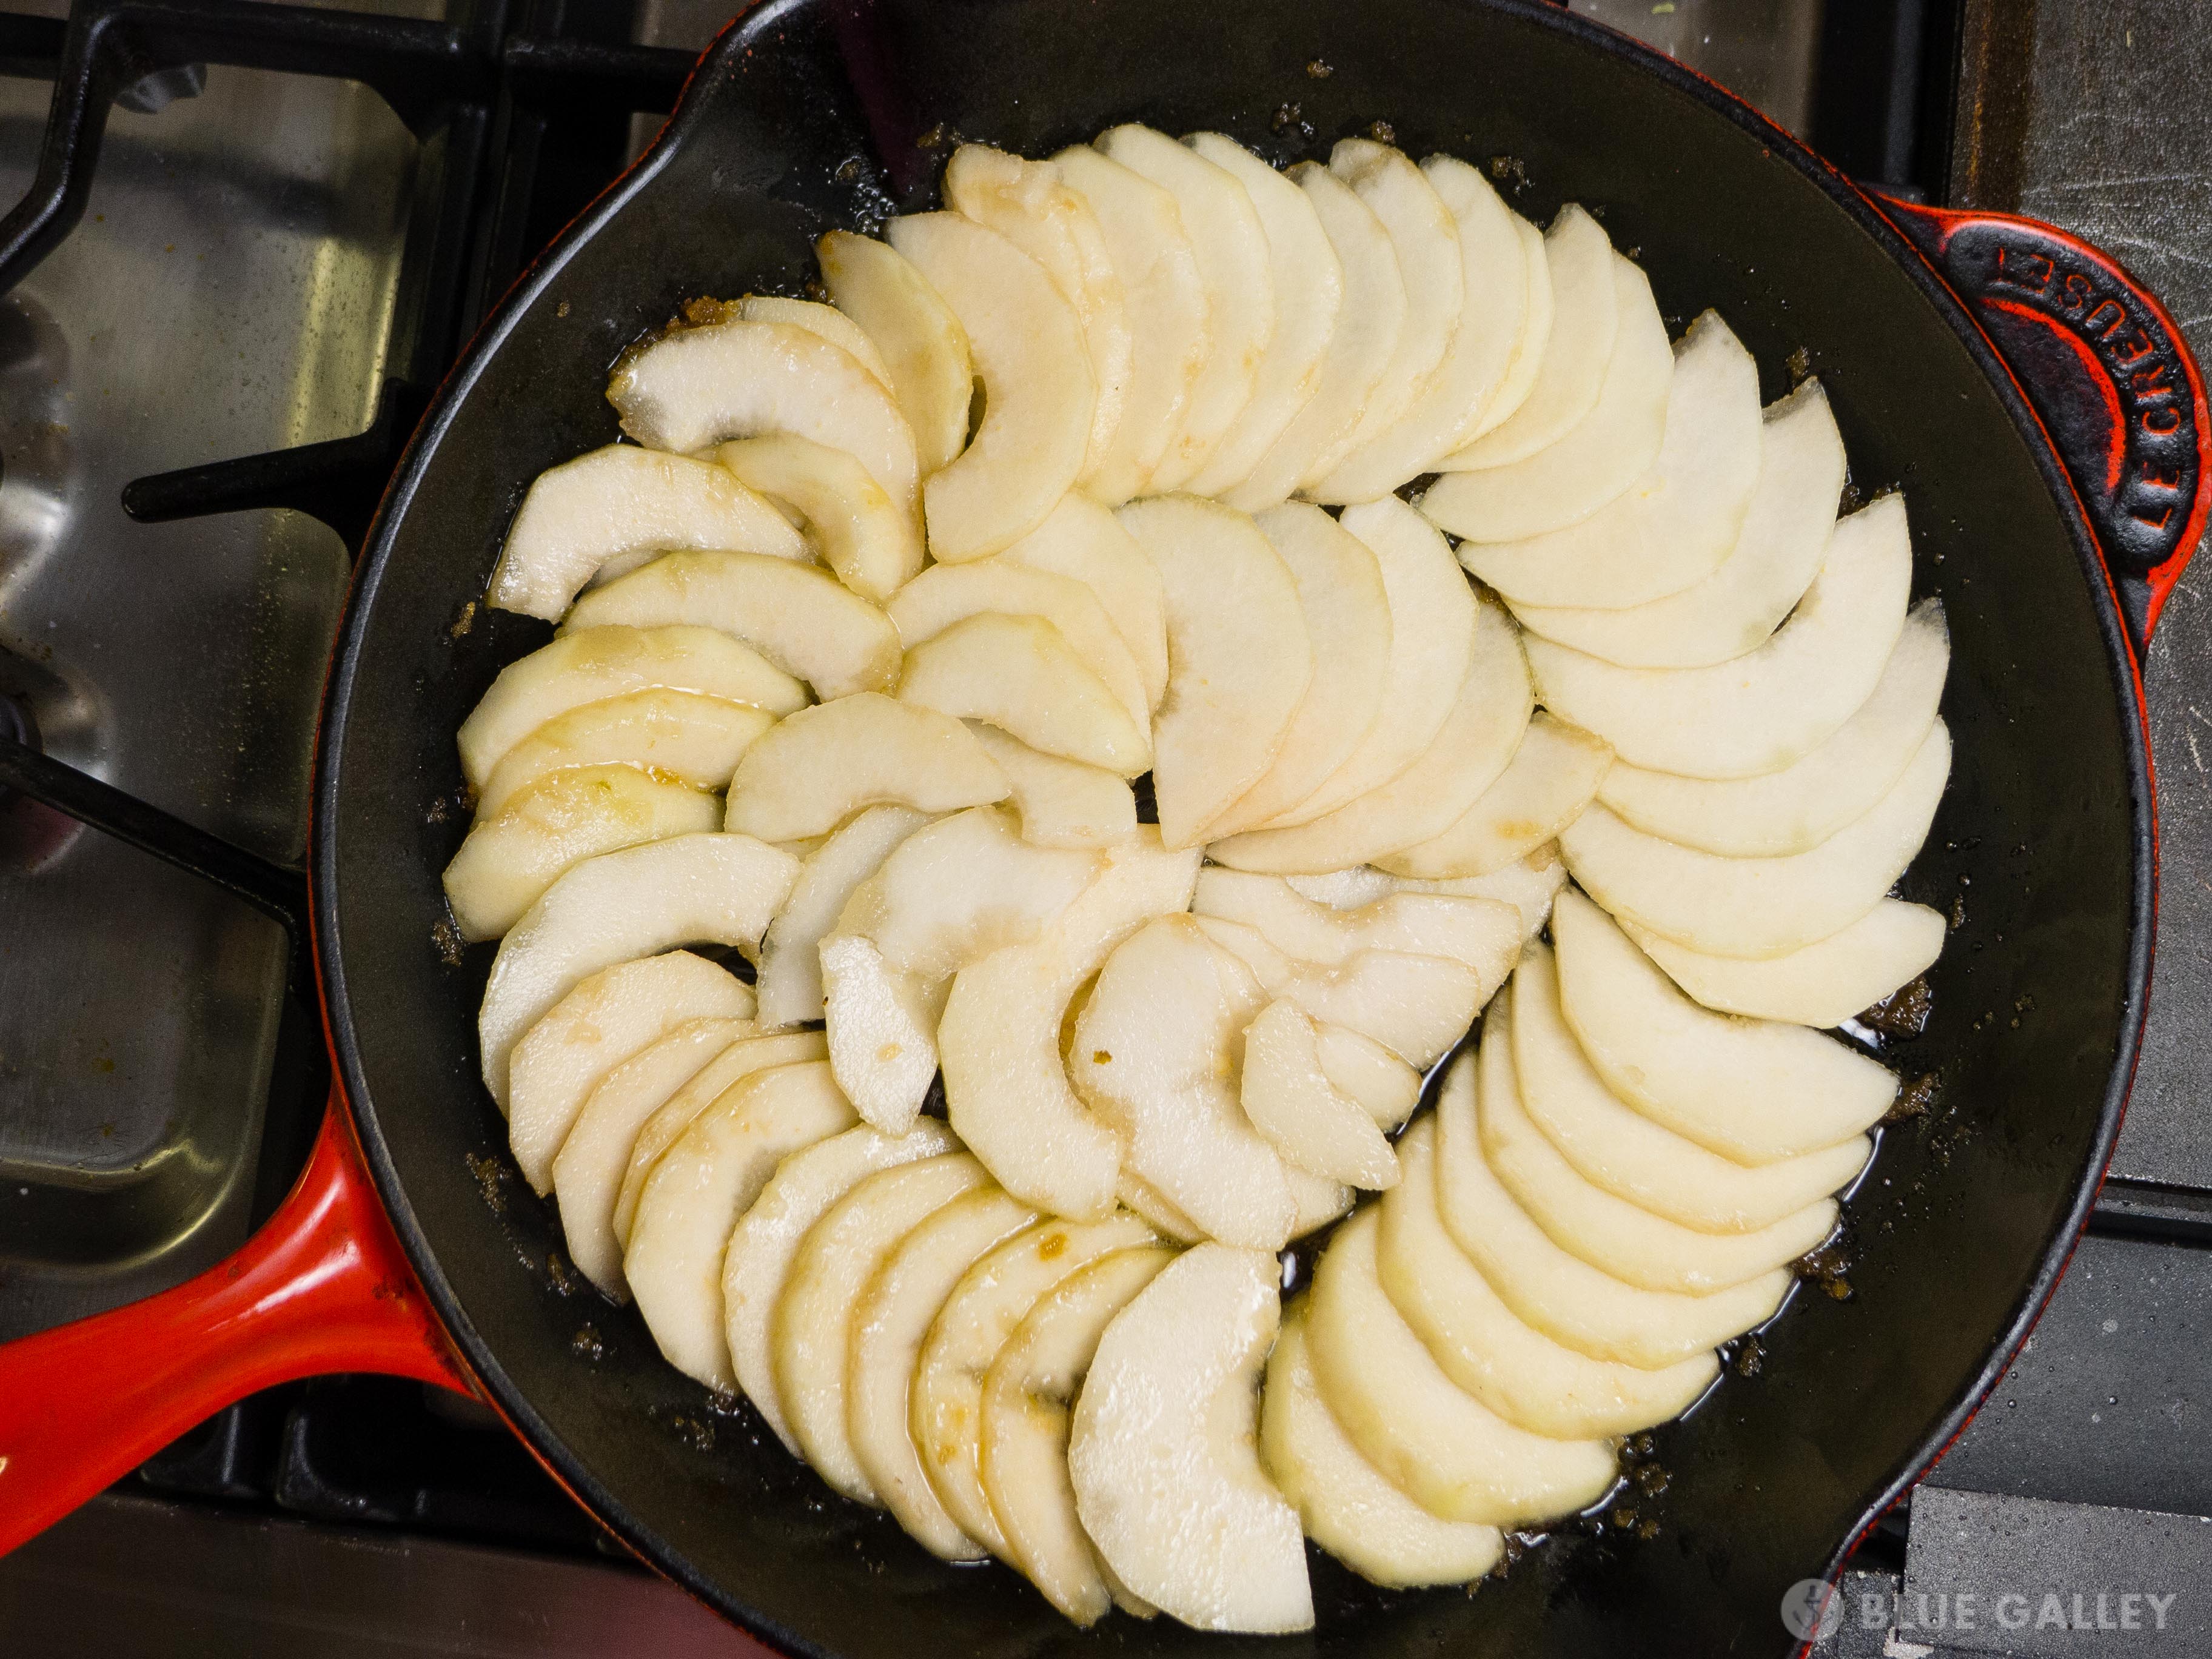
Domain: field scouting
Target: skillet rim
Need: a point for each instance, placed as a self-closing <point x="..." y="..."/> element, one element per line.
<point x="737" y="37"/>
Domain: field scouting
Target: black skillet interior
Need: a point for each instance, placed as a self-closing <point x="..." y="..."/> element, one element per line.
<point x="818" y="114"/>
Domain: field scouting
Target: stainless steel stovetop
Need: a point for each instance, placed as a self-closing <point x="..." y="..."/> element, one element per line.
<point x="249" y="278"/>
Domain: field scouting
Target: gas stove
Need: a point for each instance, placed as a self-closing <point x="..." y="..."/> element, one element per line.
<point x="295" y="218"/>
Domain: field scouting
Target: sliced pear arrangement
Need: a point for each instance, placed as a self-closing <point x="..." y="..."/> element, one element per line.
<point x="908" y="592"/>
<point x="1582" y="300"/>
<point x="757" y="1260"/>
<point x="618" y="907"/>
<point x="696" y="388"/>
<point x="915" y="334"/>
<point x="610" y="511"/>
<point x="680" y="737"/>
<point x="823" y="765"/>
<point x="1234" y="269"/>
<point x="1674" y="525"/>
<point x="606" y="1019"/>
<point x="857" y="530"/>
<point x="1027" y="344"/>
<point x="1798" y="807"/>
<point x="1592" y="462"/>
<point x="1821" y="984"/>
<point x="1360" y="349"/>
<point x="1238" y="658"/>
<point x="596" y="663"/>
<point x="1162" y="1451"/>
<point x="1556" y="772"/>
<point x="1308" y="288"/>
<point x="698" y="1188"/>
<point x="1778" y="553"/>
<point x="1032" y="206"/>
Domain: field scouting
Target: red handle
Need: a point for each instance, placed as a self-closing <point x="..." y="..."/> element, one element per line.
<point x="2107" y="371"/>
<point x="324" y="1286"/>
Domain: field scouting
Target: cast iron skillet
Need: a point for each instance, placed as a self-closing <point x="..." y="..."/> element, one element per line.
<point x="812" y="113"/>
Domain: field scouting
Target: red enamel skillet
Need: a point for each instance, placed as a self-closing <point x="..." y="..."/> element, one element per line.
<point x="2038" y="407"/>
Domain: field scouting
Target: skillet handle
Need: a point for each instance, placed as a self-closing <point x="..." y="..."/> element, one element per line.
<point x="324" y="1286"/>
<point x="2107" y="371"/>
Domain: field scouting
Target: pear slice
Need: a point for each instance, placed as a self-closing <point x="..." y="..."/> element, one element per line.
<point x="1425" y="1434"/>
<point x="860" y="532"/>
<point x="1360" y="347"/>
<point x="1595" y="460"/>
<point x="1032" y="206"/>
<point x="1426" y="240"/>
<point x="697" y="1191"/>
<point x="790" y="978"/>
<point x="1347" y="619"/>
<point x="1529" y="351"/>
<point x="1555" y="1289"/>
<point x="889" y="1323"/>
<point x="610" y="511"/>
<point x="1479" y="933"/>
<point x="1761" y="907"/>
<point x="827" y="321"/>
<point x="1471" y="749"/>
<point x="823" y="764"/>
<point x="1778" y="553"/>
<point x="1751" y="1090"/>
<point x="1796" y="809"/>
<point x="595" y="664"/>
<point x="767" y="1238"/>
<point x="1164" y="296"/>
<point x="1614" y="1146"/>
<point x="1232" y="249"/>
<point x="1470" y="375"/>
<point x="1020" y="674"/>
<point x="731" y="1066"/>
<point x="1433" y="634"/>
<point x="1162" y="1451"/>
<point x="1585" y="320"/>
<point x="1154" y="1054"/>
<point x="947" y="896"/>
<point x="1646" y="1252"/>
<point x="993" y="1298"/>
<point x="619" y="905"/>
<point x="697" y="387"/>
<point x="811" y="1330"/>
<point x="587" y="1173"/>
<point x="1517" y="1371"/>
<point x="1316" y="1200"/>
<point x="508" y="860"/>
<point x="1304" y="1116"/>
<point x="1416" y="1006"/>
<point x="945" y="595"/>
<point x="1039" y="396"/>
<point x="1554" y="774"/>
<point x="1529" y="885"/>
<point x="1083" y="540"/>
<point x="1385" y="1087"/>
<point x="1028" y="1398"/>
<point x="1772" y="707"/>
<point x="1062" y="803"/>
<point x="1346" y="1504"/>
<point x="798" y="616"/>
<point x="1309" y="287"/>
<point x="1145" y="1199"/>
<point x="679" y="736"/>
<point x="1824" y="983"/>
<point x="1005" y="1089"/>
<point x="1239" y="661"/>
<point x="606" y="1020"/>
<point x="1674" y="526"/>
<point x="920" y="340"/>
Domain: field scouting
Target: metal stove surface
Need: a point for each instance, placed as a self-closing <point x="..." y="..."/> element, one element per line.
<point x="141" y="1012"/>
